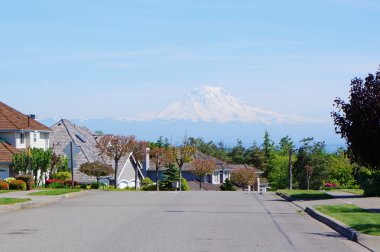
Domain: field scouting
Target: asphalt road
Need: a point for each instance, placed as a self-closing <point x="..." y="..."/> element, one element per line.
<point x="168" y="221"/>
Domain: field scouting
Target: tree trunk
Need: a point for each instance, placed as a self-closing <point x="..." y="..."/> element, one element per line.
<point x="200" y="183"/>
<point x="97" y="180"/>
<point x="157" y="180"/>
<point x="116" y="167"/>
<point x="180" y="178"/>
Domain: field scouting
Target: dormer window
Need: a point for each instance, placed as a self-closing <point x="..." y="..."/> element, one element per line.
<point x="22" y="138"/>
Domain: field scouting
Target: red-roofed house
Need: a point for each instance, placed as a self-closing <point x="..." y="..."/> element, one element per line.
<point x="17" y="132"/>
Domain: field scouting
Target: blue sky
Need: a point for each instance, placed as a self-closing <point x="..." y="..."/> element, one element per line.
<point x="74" y="58"/>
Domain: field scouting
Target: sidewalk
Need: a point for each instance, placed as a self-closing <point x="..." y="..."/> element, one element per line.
<point x="373" y="204"/>
<point x="35" y="200"/>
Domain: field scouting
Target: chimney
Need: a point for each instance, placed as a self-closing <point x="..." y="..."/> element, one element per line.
<point x="146" y="162"/>
<point x="31" y="116"/>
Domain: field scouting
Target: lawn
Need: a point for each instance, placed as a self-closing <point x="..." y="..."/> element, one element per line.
<point x="8" y="201"/>
<point x="4" y="191"/>
<point x="305" y="194"/>
<point x="54" y="192"/>
<point x="359" y="219"/>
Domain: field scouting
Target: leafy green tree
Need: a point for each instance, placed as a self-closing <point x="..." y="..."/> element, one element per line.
<point x="256" y="157"/>
<point x="340" y="169"/>
<point x="286" y="144"/>
<point x="21" y="161"/>
<point x="315" y="155"/>
<point x="268" y="149"/>
<point x="278" y="175"/>
<point x="96" y="169"/>
<point x="40" y="162"/>
<point x="237" y="153"/>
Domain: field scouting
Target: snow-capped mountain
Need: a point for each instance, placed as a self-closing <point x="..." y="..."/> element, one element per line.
<point x="214" y="104"/>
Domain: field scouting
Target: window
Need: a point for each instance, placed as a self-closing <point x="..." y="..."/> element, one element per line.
<point x="35" y="137"/>
<point x="22" y="138"/>
<point x="216" y="177"/>
<point x="80" y="137"/>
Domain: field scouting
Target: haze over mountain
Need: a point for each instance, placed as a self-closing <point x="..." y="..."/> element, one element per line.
<point x="213" y="114"/>
<point x="214" y="104"/>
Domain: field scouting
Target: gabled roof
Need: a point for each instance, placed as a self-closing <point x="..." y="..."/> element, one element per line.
<point x="11" y="119"/>
<point x="64" y="132"/>
<point x="244" y="166"/>
<point x="7" y="151"/>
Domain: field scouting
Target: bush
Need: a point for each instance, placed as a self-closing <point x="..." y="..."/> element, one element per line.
<point x="227" y="186"/>
<point x="84" y="186"/>
<point x="95" y="186"/>
<point x="147" y="185"/>
<point x="184" y="185"/>
<point x="57" y="185"/>
<point x="146" y="182"/>
<point x="61" y="176"/>
<point x="17" y="185"/>
<point x="28" y="179"/>
<point x="4" y="185"/>
<point x="370" y="183"/>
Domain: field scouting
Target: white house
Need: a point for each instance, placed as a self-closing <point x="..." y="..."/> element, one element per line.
<point x="18" y="132"/>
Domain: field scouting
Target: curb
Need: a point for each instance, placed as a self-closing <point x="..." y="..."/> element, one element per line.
<point x="341" y="228"/>
<point x="338" y="226"/>
<point x="286" y="197"/>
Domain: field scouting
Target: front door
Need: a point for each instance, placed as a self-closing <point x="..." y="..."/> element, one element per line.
<point x="221" y="177"/>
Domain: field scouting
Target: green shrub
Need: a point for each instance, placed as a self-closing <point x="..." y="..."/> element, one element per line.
<point x="146" y="182"/>
<point x="184" y="185"/>
<point x="147" y="185"/>
<point x="95" y="186"/>
<point x="28" y="179"/>
<point x="61" y="176"/>
<point x="57" y="185"/>
<point x="227" y="186"/>
<point x="370" y="182"/>
<point x="17" y="185"/>
<point x="4" y="185"/>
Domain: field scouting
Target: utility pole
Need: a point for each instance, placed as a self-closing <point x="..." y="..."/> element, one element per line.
<point x="72" y="164"/>
<point x="290" y="169"/>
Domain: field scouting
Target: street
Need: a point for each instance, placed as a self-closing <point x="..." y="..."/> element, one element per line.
<point x="168" y="221"/>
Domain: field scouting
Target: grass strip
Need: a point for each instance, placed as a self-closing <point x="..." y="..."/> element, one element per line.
<point x="8" y="201"/>
<point x="305" y="194"/>
<point x="54" y="192"/>
<point x="358" y="218"/>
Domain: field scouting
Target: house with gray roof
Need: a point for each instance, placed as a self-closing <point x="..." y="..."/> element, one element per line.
<point x="221" y="173"/>
<point x="64" y="132"/>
